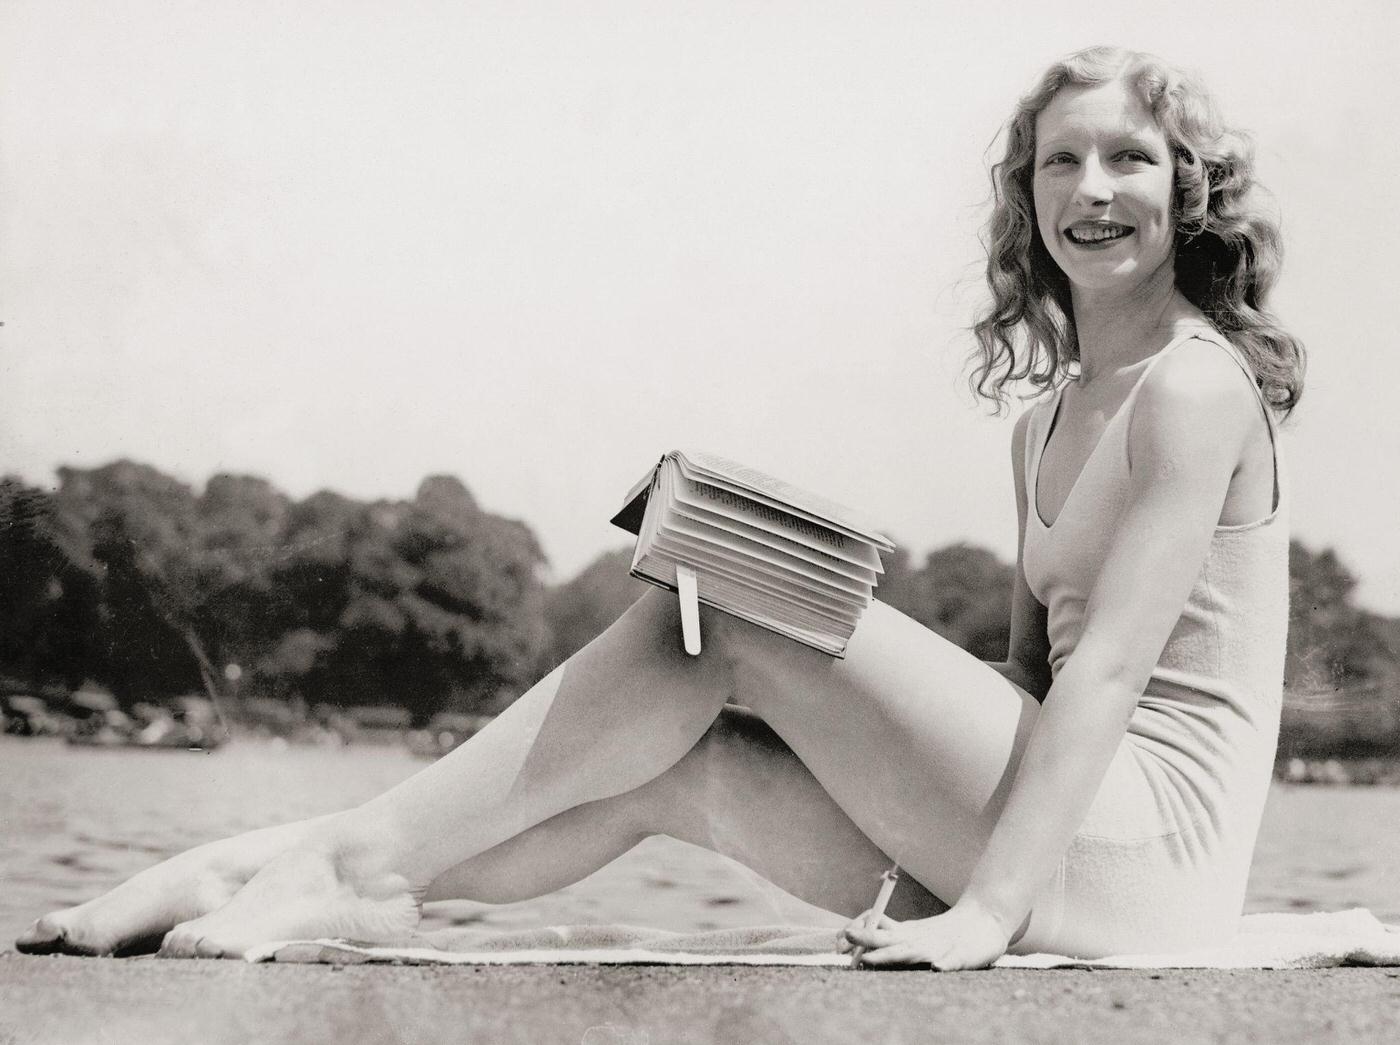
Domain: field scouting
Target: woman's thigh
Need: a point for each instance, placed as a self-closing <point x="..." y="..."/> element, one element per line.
<point x="742" y="792"/>
<point x="913" y="738"/>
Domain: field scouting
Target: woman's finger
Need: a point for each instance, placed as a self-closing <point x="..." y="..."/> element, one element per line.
<point x="897" y="954"/>
<point x="871" y="937"/>
<point x="956" y="961"/>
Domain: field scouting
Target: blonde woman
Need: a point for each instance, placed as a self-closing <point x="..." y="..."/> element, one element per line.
<point x="1098" y="792"/>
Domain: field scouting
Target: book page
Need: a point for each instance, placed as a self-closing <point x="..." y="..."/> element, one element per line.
<point x="748" y="495"/>
<point x="804" y="501"/>
<point x="824" y="642"/>
<point x="724" y="593"/>
<point x="763" y="557"/>
<point x="743" y="571"/>
<point x="751" y="554"/>
<point x="703" y="559"/>
<point x="731" y="594"/>
<point x="687" y="505"/>
<point x="741" y="504"/>
<point x="646" y="533"/>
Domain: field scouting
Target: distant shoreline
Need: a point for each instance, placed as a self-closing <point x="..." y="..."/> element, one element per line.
<point x="432" y="743"/>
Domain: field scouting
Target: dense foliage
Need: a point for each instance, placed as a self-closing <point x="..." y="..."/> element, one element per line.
<point x="581" y="608"/>
<point x="1343" y="670"/>
<point x="131" y="579"/>
<point x="962" y="592"/>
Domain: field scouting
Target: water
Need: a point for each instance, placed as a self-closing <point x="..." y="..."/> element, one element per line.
<point x="76" y="822"/>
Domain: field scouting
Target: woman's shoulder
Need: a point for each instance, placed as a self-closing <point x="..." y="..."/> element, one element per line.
<point x="1201" y="366"/>
<point x="1199" y="392"/>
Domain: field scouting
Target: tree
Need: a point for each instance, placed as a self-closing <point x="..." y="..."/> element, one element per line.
<point x="240" y="538"/>
<point x="431" y="604"/>
<point x="1342" y="694"/>
<point x="140" y="528"/>
<point x="962" y="592"/>
<point x="48" y="599"/>
<point x="1332" y="641"/>
<point x="582" y="608"/>
<point x="129" y="577"/>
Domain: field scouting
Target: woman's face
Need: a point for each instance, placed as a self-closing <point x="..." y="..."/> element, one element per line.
<point x="1103" y="187"/>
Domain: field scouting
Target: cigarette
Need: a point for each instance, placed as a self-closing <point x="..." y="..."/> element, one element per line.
<point x="888" y="880"/>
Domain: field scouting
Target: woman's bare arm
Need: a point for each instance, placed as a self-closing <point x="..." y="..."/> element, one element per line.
<point x="1186" y="440"/>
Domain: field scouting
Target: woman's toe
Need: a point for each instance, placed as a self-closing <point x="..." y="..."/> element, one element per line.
<point x="53" y="934"/>
<point x="45" y="936"/>
<point x="180" y="942"/>
<point x="198" y="938"/>
<point x="207" y="947"/>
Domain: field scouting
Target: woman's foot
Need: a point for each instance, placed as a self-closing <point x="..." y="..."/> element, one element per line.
<point x="322" y="888"/>
<point x="136" y="915"/>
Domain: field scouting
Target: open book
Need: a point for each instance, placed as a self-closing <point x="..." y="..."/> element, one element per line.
<point x="754" y="546"/>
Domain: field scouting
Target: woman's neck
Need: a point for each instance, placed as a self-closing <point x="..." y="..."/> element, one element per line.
<point x="1116" y="330"/>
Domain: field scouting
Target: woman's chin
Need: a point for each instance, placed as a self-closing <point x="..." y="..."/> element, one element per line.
<point x="1109" y="276"/>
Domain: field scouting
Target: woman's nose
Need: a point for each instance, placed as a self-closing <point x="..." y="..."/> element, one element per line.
<point x="1095" y="183"/>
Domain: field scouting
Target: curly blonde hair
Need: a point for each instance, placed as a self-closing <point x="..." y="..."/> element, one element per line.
<point x="1228" y="248"/>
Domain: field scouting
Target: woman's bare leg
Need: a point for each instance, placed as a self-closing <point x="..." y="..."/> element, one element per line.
<point x="796" y="836"/>
<point x="615" y="715"/>
<point x="912" y="738"/>
<point x="917" y="741"/>
<point x="134" y="916"/>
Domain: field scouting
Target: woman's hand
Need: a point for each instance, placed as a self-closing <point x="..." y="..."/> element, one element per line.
<point x="966" y="936"/>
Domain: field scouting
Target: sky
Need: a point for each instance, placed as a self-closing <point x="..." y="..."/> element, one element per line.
<point x="348" y="245"/>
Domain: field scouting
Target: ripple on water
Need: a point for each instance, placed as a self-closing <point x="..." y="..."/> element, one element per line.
<point x="1341" y="874"/>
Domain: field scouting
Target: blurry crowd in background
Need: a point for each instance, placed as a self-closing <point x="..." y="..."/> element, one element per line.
<point x="136" y="610"/>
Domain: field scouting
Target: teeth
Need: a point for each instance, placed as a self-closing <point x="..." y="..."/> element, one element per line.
<point x="1096" y="235"/>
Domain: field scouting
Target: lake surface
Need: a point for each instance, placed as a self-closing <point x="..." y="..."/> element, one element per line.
<point x="74" y="822"/>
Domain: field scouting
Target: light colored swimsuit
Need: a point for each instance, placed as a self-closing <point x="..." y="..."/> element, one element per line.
<point x="1161" y="861"/>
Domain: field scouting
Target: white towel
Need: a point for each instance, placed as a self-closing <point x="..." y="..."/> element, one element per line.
<point x="1265" y="941"/>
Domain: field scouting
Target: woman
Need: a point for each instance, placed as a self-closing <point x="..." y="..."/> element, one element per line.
<point x="1099" y="792"/>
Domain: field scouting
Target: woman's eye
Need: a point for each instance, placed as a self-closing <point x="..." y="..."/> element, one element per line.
<point x="1135" y="156"/>
<point x="1057" y="158"/>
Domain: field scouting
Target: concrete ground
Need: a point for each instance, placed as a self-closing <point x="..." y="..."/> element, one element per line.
<point x="74" y="1001"/>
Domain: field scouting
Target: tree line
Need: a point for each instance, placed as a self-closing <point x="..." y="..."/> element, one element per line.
<point x="129" y="578"/>
<point x="126" y="577"/>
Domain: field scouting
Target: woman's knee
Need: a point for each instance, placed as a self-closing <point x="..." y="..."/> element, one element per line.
<point x="725" y="639"/>
<point x="764" y="666"/>
<point x="654" y="622"/>
<point x="750" y="664"/>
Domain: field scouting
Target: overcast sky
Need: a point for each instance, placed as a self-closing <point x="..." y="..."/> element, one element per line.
<point x="347" y="245"/>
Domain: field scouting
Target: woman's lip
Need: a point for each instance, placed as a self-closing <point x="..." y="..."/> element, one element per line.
<point x="1124" y="231"/>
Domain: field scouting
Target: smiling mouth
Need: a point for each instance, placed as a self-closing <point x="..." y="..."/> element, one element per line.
<point x="1098" y="233"/>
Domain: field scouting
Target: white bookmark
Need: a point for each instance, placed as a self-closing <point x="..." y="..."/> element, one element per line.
<point x="690" y="609"/>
